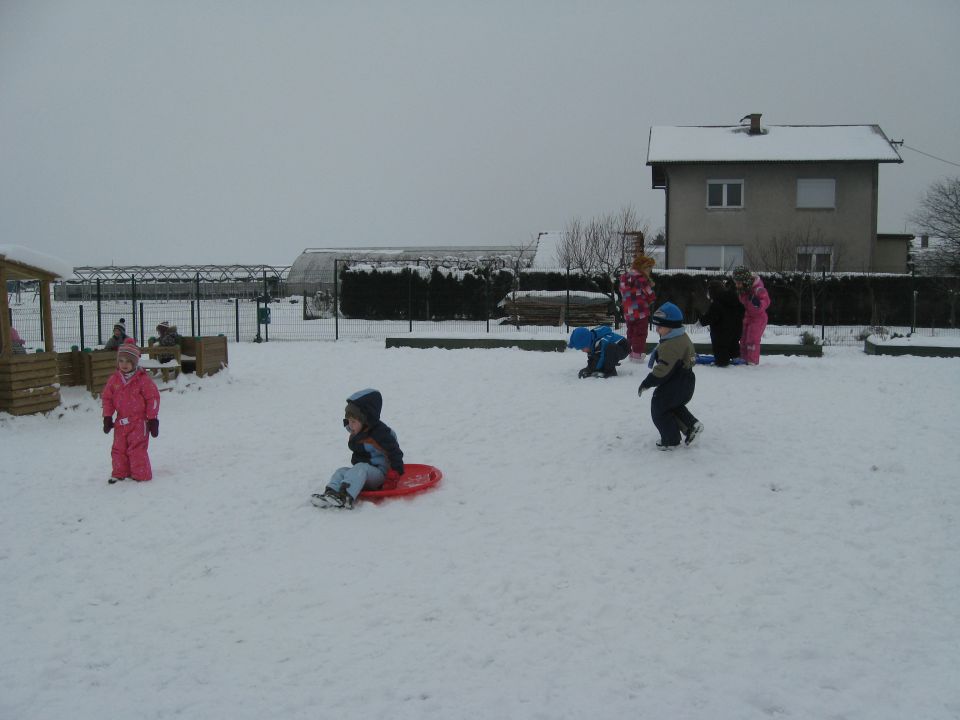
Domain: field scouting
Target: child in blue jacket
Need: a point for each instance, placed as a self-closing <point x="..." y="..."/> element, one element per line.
<point x="376" y="453"/>
<point x="605" y="349"/>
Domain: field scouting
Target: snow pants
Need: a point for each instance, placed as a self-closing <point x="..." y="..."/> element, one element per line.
<point x="637" y="335"/>
<point x="725" y="347"/>
<point x="362" y="476"/>
<point x="753" y="328"/>
<point x="129" y="451"/>
<point x="668" y="408"/>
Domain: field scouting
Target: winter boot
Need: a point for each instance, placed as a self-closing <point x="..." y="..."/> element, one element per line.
<point x="329" y="499"/>
<point x="694" y="432"/>
<point x="114" y="480"/>
<point x="664" y="446"/>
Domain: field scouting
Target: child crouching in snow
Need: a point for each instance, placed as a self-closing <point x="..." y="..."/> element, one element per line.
<point x="605" y="349"/>
<point x="376" y="453"/>
<point x="672" y="375"/>
<point x="133" y="396"/>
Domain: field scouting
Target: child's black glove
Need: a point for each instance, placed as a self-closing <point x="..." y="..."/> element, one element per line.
<point x="586" y="372"/>
<point x="755" y="301"/>
<point x="640" y="391"/>
<point x="107" y="425"/>
<point x="153" y="425"/>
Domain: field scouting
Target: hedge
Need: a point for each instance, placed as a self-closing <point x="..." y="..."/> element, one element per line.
<point x="841" y="299"/>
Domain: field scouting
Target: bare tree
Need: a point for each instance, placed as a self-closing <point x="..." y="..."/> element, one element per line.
<point x="602" y="246"/>
<point x="939" y="217"/>
<point x="782" y="253"/>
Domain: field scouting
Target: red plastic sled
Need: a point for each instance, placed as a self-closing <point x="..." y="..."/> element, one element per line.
<point x="415" y="478"/>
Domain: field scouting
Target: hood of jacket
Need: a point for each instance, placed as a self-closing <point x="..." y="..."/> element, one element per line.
<point x="370" y="402"/>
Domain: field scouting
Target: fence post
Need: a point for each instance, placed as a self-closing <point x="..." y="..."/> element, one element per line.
<point x="198" y="303"/>
<point x="336" y="299"/>
<point x="266" y="306"/>
<point x="823" y="288"/>
<point x="486" y="299"/>
<point x="133" y="306"/>
<point x="913" y="314"/>
<point x="82" y="341"/>
<point x="99" y="316"/>
<point x="236" y="313"/>
<point x="143" y="339"/>
<point x="409" y="301"/>
<point x="258" y="338"/>
<point x="566" y="310"/>
<point x="193" y="329"/>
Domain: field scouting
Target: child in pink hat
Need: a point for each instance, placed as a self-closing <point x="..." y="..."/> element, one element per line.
<point x="132" y="395"/>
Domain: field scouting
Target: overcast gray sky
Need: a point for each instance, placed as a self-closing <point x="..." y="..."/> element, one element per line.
<point x="194" y="131"/>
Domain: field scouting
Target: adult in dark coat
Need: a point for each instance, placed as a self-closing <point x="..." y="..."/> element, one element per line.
<point x="724" y="317"/>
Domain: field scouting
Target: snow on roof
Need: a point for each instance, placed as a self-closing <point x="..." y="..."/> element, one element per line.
<point x="775" y="143"/>
<point x="547" y="256"/>
<point x="26" y="256"/>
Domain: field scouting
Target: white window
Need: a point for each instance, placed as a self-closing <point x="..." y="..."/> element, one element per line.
<point x="817" y="193"/>
<point x="713" y="257"/>
<point x="815" y="258"/>
<point x="724" y="193"/>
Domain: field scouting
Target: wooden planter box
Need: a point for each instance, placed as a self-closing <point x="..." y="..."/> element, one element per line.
<point x="98" y="366"/>
<point x="70" y="368"/>
<point x="28" y="384"/>
<point x="460" y="343"/>
<point x="871" y="348"/>
<point x="204" y="355"/>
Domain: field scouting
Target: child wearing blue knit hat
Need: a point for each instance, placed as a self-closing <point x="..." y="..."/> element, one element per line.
<point x="671" y="373"/>
<point x="605" y="349"/>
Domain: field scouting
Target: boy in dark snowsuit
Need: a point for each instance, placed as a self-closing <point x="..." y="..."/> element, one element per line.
<point x="724" y="317"/>
<point x="376" y="453"/>
<point x="605" y="349"/>
<point x="672" y="375"/>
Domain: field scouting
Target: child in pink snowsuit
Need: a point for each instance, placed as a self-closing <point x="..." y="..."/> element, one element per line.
<point x="636" y="289"/>
<point x="755" y="300"/>
<point x="133" y="396"/>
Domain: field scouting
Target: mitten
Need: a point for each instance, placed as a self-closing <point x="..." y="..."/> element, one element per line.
<point x="640" y="391"/>
<point x="755" y="301"/>
<point x="153" y="425"/>
<point x="107" y="424"/>
<point x="585" y="372"/>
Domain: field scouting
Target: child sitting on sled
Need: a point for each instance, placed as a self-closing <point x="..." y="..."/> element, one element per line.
<point x="605" y="349"/>
<point x="376" y="453"/>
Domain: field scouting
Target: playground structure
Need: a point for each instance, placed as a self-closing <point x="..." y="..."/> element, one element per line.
<point x="28" y="383"/>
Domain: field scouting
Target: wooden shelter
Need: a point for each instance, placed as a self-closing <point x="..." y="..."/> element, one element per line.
<point x="28" y="383"/>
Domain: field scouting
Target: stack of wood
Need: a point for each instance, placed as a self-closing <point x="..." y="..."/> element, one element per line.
<point x="552" y="310"/>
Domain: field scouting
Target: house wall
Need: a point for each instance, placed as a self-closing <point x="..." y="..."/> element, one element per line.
<point x="769" y="208"/>
<point x="891" y="256"/>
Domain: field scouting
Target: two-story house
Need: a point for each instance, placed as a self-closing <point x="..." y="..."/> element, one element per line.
<point x="785" y="197"/>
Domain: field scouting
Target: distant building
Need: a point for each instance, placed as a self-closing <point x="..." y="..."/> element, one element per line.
<point x="730" y="189"/>
<point x="313" y="270"/>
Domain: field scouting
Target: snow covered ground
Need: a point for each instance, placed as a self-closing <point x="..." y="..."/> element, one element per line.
<point x="799" y="562"/>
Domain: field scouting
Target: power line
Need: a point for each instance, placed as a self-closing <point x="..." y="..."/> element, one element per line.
<point x="948" y="162"/>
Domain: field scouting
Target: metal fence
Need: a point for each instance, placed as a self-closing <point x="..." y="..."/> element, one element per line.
<point x="79" y="324"/>
<point x="406" y="296"/>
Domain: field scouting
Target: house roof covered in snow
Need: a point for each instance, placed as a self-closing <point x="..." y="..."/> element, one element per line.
<point x="28" y="264"/>
<point x="774" y="143"/>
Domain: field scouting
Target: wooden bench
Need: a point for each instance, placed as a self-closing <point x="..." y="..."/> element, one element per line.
<point x="168" y="369"/>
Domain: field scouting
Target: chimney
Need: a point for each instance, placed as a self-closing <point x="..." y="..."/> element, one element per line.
<point x="754" y="123"/>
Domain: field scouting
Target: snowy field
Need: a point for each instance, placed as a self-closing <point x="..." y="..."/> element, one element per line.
<point x="799" y="562"/>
